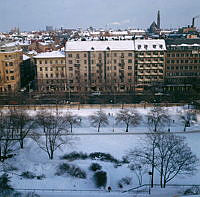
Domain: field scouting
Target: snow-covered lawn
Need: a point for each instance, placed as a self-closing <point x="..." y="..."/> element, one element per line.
<point x="35" y="160"/>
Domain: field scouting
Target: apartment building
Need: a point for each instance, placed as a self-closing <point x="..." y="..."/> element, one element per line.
<point x="106" y="66"/>
<point x="149" y="64"/>
<point x="182" y="65"/>
<point x="10" y="60"/>
<point x="51" y="71"/>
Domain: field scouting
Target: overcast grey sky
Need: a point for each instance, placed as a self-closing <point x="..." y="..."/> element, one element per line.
<point x="36" y="14"/>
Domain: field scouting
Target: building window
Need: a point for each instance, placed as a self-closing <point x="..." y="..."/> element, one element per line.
<point x="40" y="68"/>
<point x="46" y="75"/>
<point x="40" y="62"/>
<point x="85" y="55"/>
<point x="45" y="61"/>
<point x="69" y="55"/>
<point x="130" y="61"/>
<point x="70" y="62"/>
<point x="70" y="68"/>
<point x="12" y="78"/>
<point x="50" y="61"/>
<point x="130" y="54"/>
<point x="11" y="64"/>
<point x="129" y="67"/>
<point x="46" y="68"/>
<point x="85" y="61"/>
<point x="77" y="56"/>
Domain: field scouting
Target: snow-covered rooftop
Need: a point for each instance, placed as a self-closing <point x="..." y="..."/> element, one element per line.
<point x="100" y="45"/>
<point x="126" y="45"/>
<point x="52" y="54"/>
<point x="25" y="57"/>
<point x="150" y="45"/>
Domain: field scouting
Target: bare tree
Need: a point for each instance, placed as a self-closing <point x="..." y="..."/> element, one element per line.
<point x="53" y="127"/>
<point x="139" y="168"/>
<point x="129" y="117"/>
<point x="99" y="119"/>
<point x="186" y="116"/>
<point x="7" y="137"/>
<point x="72" y="120"/>
<point x="157" y="119"/>
<point x="22" y="124"/>
<point x="172" y="156"/>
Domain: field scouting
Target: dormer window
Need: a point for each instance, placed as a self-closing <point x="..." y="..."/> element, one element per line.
<point x="92" y="48"/>
<point x="139" y="46"/>
<point x="161" y="46"/>
<point x="145" y="46"/>
<point x="154" y="46"/>
<point x="108" y="48"/>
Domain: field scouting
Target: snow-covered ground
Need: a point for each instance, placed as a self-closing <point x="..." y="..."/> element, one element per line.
<point x="35" y="160"/>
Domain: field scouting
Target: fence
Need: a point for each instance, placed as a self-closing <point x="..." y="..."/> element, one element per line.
<point x="87" y="106"/>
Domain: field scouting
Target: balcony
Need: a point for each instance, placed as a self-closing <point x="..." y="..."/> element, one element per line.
<point x="77" y="65"/>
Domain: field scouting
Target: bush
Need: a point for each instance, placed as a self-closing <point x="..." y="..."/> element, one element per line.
<point x="74" y="156"/>
<point x="124" y="181"/>
<point x="40" y="177"/>
<point x="103" y="157"/>
<point x="125" y="159"/>
<point x="28" y="175"/>
<point x="95" y="166"/>
<point x="192" y="191"/>
<point x="5" y="187"/>
<point x="72" y="170"/>
<point x="100" y="178"/>
<point x="9" y="168"/>
<point x="77" y="172"/>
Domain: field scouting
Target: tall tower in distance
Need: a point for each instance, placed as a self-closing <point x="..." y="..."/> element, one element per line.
<point x="158" y="19"/>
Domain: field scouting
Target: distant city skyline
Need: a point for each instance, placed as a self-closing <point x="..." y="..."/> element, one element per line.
<point x="36" y="14"/>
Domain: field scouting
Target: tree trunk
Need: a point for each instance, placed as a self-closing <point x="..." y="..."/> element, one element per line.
<point x="152" y="167"/>
<point x="99" y="127"/>
<point x="71" y="127"/>
<point x="126" y="127"/>
<point x="21" y="141"/>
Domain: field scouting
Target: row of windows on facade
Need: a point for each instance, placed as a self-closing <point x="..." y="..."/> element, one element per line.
<point x="183" y="67"/>
<point x="149" y="53"/>
<point x="51" y="62"/>
<point x="149" y="65"/>
<point x="14" y="56"/>
<point x="108" y="68"/>
<point x="150" y="60"/>
<point x="9" y="64"/>
<point x="99" y="55"/>
<point x="154" y="46"/>
<point x="183" y="47"/>
<point x="150" y="77"/>
<point x="51" y="68"/>
<point x="183" y="74"/>
<point x="183" y="61"/>
<point x="150" y="71"/>
<point x="182" y="55"/>
<point x="53" y="75"/>
<point x="100" y="61"/>
<point x="6" y="88"/>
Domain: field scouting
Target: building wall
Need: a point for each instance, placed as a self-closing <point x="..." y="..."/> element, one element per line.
<point x="107" y="71"/>
<point x="182" y="67"/>
<point x="10" y="70"/>
<point x="51" y="74"/>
